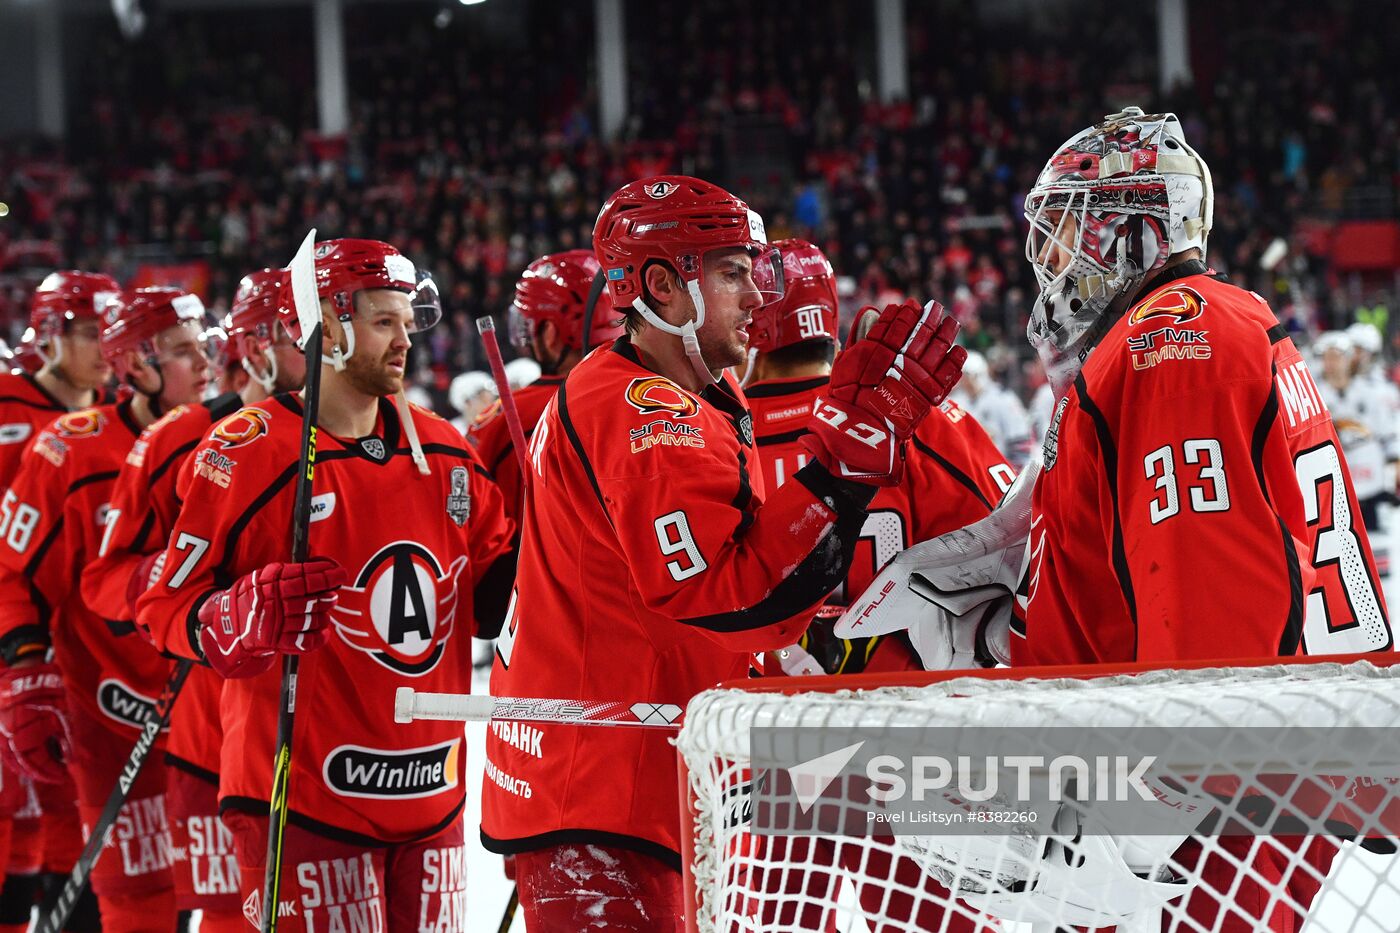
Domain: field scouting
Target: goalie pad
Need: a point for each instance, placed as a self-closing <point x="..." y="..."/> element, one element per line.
<point x="1080" y="874"/>
<point x="954" y="593"/>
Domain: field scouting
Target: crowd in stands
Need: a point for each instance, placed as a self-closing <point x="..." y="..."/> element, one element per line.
<point x="476" y="149"/>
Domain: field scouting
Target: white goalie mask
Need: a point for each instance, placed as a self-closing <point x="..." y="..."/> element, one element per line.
<point x="1108" y="209"/>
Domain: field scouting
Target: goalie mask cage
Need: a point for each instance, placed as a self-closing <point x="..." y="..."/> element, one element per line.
<point x="1345" y="877"/>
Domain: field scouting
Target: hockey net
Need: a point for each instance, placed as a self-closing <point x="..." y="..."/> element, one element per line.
<point x="1312" y="845"/>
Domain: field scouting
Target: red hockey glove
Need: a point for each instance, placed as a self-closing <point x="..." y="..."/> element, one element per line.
<point x="142" y="579"/>
<point x="881" y="388"/>
<point x="282" y="608"/>
<point x="34" y="721"/>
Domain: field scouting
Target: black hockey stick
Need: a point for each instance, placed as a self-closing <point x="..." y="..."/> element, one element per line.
<point x="509" y="916"/>
<point x="156" y="720"/>
<point x="308" y="306"/>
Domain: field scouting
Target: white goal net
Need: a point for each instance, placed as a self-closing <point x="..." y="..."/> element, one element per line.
<point x="1271" y="801"/>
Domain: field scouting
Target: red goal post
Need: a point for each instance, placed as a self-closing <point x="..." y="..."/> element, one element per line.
<point x="736" y="881"/>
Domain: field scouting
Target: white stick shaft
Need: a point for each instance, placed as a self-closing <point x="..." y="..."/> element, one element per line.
<point x="410" y="704"/>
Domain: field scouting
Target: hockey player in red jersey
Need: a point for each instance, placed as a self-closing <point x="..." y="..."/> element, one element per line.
<point x="68" y="372"/>
<point x="374" y="837"/>
<point x="83" y="708"/>
<point x="556" y="319"/>
<point x="953" y="475"/>
<point x="652" y="560"/>
<point x="65" y="317"/>
<point x="261" y="358"/>
<point x="1194" y="501"/>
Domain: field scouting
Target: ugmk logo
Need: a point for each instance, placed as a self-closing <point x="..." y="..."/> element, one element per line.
<point x="401" y="608"/>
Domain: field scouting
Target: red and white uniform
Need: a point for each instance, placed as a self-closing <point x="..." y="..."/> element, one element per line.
<point x="26" y="407"/>
<point x="953" y="476"/>
<point x="493" y="442"/>
<point x="145" y="504"/>
<point x="1195" y="428"/>
<point x="406" y="617"/>
<point x="651" y="564"/>
<point x="57" y="507"/>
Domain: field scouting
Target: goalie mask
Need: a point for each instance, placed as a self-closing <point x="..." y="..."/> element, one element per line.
<point x="1109" y="209"/>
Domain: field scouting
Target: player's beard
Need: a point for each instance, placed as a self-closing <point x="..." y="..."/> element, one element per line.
<point x="374" y="377"/>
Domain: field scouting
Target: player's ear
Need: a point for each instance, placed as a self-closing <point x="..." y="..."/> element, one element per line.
<point x="663" y="287"/>
<point x="332" y="333"/>
<point x="548" y="338"/>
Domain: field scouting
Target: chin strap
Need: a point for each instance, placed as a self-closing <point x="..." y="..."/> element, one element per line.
<point x="269" y="381"/>
<point x="689" y="340"/>
<point x="411" y="432"/>
<point x="748" y="366"/>
<point x="338" y="356"/>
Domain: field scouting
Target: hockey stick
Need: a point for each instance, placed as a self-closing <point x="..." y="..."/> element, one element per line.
<point x="486" y="326"/>
<point x="508" y="917"/>
<point x="410" y="704"/>
<point x="308" y="305"/>
<point x="156" y="720"/>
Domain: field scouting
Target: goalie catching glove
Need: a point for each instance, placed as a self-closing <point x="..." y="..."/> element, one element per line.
<point x="279" y="609"/>
<point x="881" y="388"/>
<point x="955" y="594"/>
<point x="34" y="721"/>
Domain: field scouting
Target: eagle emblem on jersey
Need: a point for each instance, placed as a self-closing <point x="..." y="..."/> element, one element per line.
<point x="401" y="608"/>
<point x="459" y="501"/>
<point x="242" y="427"/>
<point x="88" y="423"/>
<point x="653" y="393"/>
<point x="1178" y="305"/>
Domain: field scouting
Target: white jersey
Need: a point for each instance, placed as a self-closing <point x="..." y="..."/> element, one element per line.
<point x="1001" y="413"/>
<point x="1042" y="409"/>
<point x="1365" y="413"/>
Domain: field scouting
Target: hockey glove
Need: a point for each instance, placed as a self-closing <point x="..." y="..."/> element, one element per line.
<point x="881" y="389"/>
<point x="143" y="578"/>
<point x="34" y="721"/>
<point x="954" y="594"/>
<point x="280" y="609"/>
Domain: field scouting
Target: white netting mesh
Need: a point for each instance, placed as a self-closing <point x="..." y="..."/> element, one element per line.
<point x="1343" y="880"/>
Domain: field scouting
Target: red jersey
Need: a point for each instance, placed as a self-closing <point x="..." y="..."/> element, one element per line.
<point x="1195" y="502"/>
<point x="651" y="564"/>
<point x="953" y="476"/>
<point x="405" y="617"/>
<point x="492" y="437"/>
<point x="52" y="520"/>
<point x="25" y="408"/>
<point x="145" y="503"/>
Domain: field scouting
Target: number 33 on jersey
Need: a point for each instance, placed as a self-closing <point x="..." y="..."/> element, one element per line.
<point x="1197" y="505"/>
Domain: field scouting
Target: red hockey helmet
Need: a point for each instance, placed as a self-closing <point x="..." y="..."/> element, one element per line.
<point x="139" y="316"/>
<point x="257" y="305"/>
<point x="559" y="287"/>
<point x="70" y="295"/>
<point x="27" y="356"/>
<point x="809" y="306"/>
<point x="347" y="266"/>
<point x="677" y="219"/>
